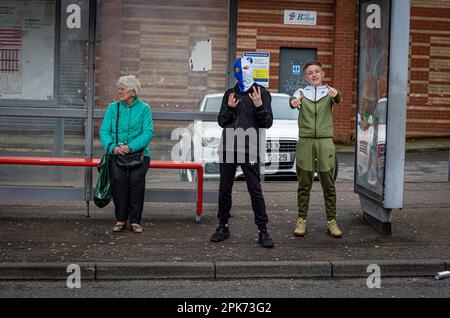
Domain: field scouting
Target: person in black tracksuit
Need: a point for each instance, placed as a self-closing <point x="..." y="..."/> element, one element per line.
<point x="245" y="108"/>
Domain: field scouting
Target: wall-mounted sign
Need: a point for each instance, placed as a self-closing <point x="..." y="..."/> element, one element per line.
<point x="296" y="69"/>
<point x="261" y="62"/>
<point x="300" y="17"/>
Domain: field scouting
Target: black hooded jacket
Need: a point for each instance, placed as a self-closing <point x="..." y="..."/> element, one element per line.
<point x="245" y="115"/>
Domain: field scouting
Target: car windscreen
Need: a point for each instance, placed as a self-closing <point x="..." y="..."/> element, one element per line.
<point x="280" y="107"/>
<point x="213" y="104"/>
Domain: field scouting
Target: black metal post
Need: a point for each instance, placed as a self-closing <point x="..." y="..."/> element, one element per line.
<point x="89" y="137"/>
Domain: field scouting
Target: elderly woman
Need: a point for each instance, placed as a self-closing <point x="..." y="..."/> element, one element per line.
<point x="127" y="128"/>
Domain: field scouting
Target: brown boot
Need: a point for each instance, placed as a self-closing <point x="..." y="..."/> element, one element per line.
<point x="333" y="228"/>
<point x="300" y="228"/>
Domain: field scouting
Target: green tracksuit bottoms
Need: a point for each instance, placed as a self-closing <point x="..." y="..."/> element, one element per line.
<point x="308" y="150"/>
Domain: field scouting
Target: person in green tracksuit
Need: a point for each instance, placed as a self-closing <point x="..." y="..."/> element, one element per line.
<point x="315" y="147"/>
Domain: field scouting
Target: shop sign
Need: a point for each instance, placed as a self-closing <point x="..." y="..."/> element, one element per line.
<point x="300" y="17"/>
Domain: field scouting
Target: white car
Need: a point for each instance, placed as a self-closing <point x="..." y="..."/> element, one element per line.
<point x="203" y="140"/>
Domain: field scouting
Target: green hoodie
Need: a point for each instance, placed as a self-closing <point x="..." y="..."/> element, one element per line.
<point x="315" y="118"/>
<point x="135" y="126"/>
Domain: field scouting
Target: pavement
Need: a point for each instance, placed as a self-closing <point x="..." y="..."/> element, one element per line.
<point x="39" y="239"/>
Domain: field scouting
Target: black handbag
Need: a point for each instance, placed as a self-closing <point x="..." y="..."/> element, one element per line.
<point x="129" y="160"/>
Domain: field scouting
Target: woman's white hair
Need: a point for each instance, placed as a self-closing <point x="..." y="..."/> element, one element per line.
<point x="131" y="83"/>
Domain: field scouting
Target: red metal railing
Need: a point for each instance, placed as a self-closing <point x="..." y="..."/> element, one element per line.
<point x="81" y="162"/>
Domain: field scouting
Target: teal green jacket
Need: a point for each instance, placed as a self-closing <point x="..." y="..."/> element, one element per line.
<point x="135" y="126"/>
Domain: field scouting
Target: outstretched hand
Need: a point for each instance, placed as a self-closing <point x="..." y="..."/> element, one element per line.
<point x="296" y="103"/>
<point x="256" y="97"/>
<point x="331" y="91"/>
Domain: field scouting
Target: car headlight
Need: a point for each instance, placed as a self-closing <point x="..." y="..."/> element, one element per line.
<point x="211" y="142"/>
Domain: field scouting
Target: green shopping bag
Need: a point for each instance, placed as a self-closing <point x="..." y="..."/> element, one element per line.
<point x="102" y="194"/>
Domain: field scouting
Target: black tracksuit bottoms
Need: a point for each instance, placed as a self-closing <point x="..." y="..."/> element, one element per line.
<point x="253" y="179"/>
<point x="128" y="190"/>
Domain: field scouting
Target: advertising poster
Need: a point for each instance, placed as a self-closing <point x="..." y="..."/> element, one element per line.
<point x="372" y="95"/>
<point x="261" y="62"/>
<point x="27" y="49"/>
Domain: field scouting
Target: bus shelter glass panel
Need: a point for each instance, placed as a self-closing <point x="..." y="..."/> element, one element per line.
<point x="49" y="137"/>
<point x="166" y="145"/>
<point x="43" y="91"/>
<point x="43" y="53"/>
<point x="179" y="52"/>
<point x="372" y="96"/>
<point x="41" y="176"/>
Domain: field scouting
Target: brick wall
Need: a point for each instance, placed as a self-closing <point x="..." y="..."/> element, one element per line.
<point x="344" y="61"/>
<point x="261" y="28"/>
<point x="154" y="40"/>
<point x="429" y="79"/>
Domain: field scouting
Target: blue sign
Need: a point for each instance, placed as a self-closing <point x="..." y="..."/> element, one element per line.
<point x="296" y="69"/>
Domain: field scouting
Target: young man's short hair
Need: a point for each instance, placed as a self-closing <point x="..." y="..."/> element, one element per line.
<point x="311" y="63"/>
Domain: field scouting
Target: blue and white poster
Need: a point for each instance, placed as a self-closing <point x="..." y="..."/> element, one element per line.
<point x="261" y="65"/>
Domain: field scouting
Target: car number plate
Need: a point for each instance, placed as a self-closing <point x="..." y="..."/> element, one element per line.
<point x="278" y="157"/>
